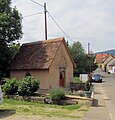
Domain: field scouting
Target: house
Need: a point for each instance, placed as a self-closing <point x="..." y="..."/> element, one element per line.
<point x="106" y="61"/>
<point x="99" y="59"/>
<point x="110" y="65"/>
<point x="49" y="61"/>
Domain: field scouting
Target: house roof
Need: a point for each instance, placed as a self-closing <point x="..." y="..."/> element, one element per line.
<point x="100" y="57"/>
<point x="38" y="55"/>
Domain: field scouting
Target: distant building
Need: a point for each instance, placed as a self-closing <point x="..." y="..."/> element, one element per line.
<point x="100" y="58"/>
<point x="112" y="67"/>
<point x="106" y="62"/>
<point x="50" y="61"/>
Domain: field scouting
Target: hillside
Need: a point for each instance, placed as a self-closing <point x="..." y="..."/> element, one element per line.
<point x="112" y="52"/>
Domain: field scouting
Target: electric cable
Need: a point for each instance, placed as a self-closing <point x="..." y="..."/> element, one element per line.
<point x="59" y="27"/>
<point x="32" y="15"/>
<point x="51" y="17"/>
<point x="37" y="3"/>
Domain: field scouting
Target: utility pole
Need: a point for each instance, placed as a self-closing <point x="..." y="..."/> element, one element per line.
<point x="45" y="21"/>
<point x="88" y="48"/>
<point x="89" y="56"/>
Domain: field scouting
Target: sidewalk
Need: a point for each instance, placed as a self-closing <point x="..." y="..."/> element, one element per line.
<point x="98" y="111"/>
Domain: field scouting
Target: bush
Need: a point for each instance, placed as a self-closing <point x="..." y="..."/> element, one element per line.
<point x="10" y="87"/>
<point x="34" y="84"/>
<point x="77" y="80"/>
<point x="23" y="88"/>
<point x="57" y="94"/>
<point x="28" y="85"/>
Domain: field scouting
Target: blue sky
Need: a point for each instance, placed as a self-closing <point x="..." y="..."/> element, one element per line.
<point x="87" y="21"/>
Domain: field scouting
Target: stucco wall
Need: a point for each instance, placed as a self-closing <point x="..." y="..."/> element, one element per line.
<point x="61" y="60"/>
<point x="42" y="75"/>
<point x="113" y="69"/>
<point x="108" y="65"/>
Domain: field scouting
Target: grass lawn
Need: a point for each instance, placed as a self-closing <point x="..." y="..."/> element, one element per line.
<point x="30" y="108"/>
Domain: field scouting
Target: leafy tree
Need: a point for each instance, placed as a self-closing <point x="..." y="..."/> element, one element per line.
<point x="4" y="58"/>
<point x="10" y="22"/>
<point x="81" y="59"/>
<point x="10" y="30"/>
<point x="14" y="47"/>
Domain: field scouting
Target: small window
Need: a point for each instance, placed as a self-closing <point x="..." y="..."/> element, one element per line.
<point x="27" y="74"/>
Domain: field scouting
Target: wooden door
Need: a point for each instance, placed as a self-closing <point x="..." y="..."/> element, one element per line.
<point x="62" y="77"/>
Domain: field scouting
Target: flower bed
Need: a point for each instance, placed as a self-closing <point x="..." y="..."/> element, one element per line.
<point x="70" y="99"/>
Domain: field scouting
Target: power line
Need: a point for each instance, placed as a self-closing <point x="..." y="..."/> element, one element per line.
<point x="53" y="19"/>
<point x="96" y="48"/>
<point x="51" y="25"/>
<point x="59" y="26"/>
<point x="37" y="3"/>
<point x="32" y="15"/>
<point x="44" y="6"/>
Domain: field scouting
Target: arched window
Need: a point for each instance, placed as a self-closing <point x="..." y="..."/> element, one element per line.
<point x="27" y="74"/>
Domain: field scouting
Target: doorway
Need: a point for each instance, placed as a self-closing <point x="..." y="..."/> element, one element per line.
<point x="62" y="77"/>
<point x="105" y="69"/>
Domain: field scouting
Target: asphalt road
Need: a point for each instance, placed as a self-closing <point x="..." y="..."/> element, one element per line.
<point x="108" y="91"/>
<point x="109" y="87"/>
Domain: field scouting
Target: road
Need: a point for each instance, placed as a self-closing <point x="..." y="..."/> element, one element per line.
<point x="109" y="87"/>
<point x="108" y="90"/>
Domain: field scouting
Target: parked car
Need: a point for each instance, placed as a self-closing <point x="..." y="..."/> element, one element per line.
<point x="97" y="78"/>
<point x="1" y="95"/>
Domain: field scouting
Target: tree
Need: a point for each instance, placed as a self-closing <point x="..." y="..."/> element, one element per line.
<point x="14" y="47"/>
<point x="10" y="31"/>
<point x="81" y="59"/>
<point x="10" y="22"/>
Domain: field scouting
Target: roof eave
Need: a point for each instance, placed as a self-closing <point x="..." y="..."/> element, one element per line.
<point x="29" y="69"/>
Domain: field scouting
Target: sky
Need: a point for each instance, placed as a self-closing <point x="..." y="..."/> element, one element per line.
<point x="87" y="21"/>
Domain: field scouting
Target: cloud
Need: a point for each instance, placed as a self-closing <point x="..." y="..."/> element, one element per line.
<point x="84" y="20"/>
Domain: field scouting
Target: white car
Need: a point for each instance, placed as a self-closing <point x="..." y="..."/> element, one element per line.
<point x="1" y="95"/>
<point x="109" y="71"/>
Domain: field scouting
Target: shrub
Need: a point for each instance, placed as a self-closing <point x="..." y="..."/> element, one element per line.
<point x="34" y="84"/>
<point x="57" y="94"/>
<point x="28" y="85"/>
<point x="10" y="87"/>
<point x="77" y="80"/>
<point x="23" y="88"/>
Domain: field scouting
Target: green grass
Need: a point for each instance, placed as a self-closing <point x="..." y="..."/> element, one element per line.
<point x="32" y="104"/>
<point x="30" y="108"/>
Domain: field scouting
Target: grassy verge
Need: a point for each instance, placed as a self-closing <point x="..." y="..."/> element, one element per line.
<point x="30" y="108"/>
